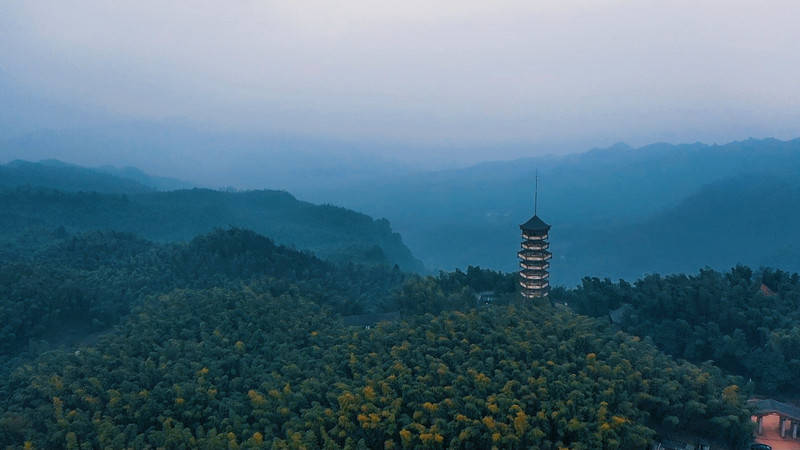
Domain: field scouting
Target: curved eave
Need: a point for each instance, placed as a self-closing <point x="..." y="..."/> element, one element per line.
<point x="535" y="245"/>
<point x="534" y="265"/>
<point x="534" y="286"/>
<point x="534" y="255"/>
<point x="535" y="225"/>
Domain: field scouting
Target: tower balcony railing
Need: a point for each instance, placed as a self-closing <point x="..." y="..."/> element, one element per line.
<point x="534" y="276"/>
<point x="534" y="237"/>
<point x="534" y="258"/>
<point x="535" y="294"/>
<point x="535" y="245"/>
<point x="530" y="269"/>
<point x="528" y="255"/>
<point x="534" y="265"/>
<point x="540" y="285"/>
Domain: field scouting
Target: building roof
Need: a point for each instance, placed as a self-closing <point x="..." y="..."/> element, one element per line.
<point x="770" y="406"/>
<point x="617" y="315"/>
<point x="673" y="445"/>
<point x="766" y="291"/>
<point x="535" y="224"/>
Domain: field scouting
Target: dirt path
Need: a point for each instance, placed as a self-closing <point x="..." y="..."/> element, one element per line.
<point x="772" y="436"/>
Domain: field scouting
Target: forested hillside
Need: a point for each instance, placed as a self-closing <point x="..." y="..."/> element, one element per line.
<point x="257" y="366"/>
<point x="330" y="232"/>
<point x="231" y="340"/>
<point x="745" y="322"/>
<point x="190" y="335"/>
<point x="75" y="286"/>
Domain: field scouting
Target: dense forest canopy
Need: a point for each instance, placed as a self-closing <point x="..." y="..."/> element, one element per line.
<point x="85" y="283"/>
<point x="232" y="340"/>
<point x="252" y="366"/>
<point x="745" y="322"/>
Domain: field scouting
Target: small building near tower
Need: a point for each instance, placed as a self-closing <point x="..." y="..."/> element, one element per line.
<point x="485" y="298"/>
<point x="534" y="259"/>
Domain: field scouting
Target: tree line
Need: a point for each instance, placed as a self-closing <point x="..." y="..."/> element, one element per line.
<point x="745" y="321"/>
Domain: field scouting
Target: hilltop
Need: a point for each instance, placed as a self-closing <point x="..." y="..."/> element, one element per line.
<point x="247" y="368"/>
<point x="55" y="174"/>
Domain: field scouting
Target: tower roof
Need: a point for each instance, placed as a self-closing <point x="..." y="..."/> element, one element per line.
<point x="535" y="224"/>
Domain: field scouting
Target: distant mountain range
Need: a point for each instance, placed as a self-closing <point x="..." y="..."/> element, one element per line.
<point x="749" y="219"/>
<point x="154" y="182"/>
<point x="205" y="157"/>
<point x="52" y="195"/>
<point x="616" y="212"/>
<point x="56" y="174"/>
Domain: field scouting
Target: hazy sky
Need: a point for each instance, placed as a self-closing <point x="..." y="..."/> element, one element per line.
<point x="556" y="76"/>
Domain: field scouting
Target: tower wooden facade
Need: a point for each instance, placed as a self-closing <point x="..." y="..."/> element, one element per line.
<point x="534" y="258"/>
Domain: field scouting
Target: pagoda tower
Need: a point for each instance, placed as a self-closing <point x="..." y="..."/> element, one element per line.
<point x="534" y="259"/>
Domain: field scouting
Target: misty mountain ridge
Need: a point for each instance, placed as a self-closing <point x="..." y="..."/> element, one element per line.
<point x="332" y="232"/>
<point x="52" y="194"/>
<point x="454" y="218"/>
<point x="56" y="174"/>
<point x="156" y="182"/>
<point x="737" y="220"/>
<point x="598" y="181"/>
<point x="242" y="160"/>
<point x="607" y="206"/>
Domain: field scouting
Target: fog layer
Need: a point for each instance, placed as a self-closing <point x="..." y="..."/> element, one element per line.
<point x="435" y="83"/>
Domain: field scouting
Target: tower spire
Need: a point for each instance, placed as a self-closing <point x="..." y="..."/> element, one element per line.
<point x="536" y="195"/>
